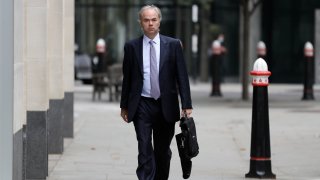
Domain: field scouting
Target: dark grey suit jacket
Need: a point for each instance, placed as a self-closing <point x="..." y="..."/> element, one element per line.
<point x="173" y="78"/>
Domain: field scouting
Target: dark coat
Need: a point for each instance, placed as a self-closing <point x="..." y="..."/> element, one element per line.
<point x="173" y="78"/>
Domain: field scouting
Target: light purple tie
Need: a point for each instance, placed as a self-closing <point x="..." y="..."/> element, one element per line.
<point x="154" y="75"/>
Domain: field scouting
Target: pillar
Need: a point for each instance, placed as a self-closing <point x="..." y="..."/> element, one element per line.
<point x="19" y="98"/>
<point x="37" y="102"/>
<point x="68" y="67"/>
<point x="6" y="90"/>
<point x="55" y="69"/>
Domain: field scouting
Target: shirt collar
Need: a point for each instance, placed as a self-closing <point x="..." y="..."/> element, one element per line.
<point x="156" y="39"/>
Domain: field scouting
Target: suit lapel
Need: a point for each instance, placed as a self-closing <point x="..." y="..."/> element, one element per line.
<point x="163" y="51"/>
<point x="138" y="52"/>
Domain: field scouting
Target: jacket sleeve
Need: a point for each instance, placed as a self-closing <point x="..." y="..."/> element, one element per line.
<point x="126" y="77"/>
<point x="182" y="78"/>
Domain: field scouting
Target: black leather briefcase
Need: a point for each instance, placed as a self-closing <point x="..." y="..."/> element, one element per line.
<point x="187" y="139"/>
<point x="187" y="144"/>
<point x="186" y="163"/>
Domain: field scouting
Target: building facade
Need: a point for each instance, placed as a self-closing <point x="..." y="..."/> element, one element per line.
<point x="36" y="96"/>
<point x="116" y="21"/>
<point x="283" y="25"/>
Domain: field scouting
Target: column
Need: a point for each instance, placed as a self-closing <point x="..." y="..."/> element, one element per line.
<point x="19" y="97"/>
<point x="68" y="66"/>
<point x="6" y="90"/>
<point x="56" y="89"/>
<point x="37" y="101"/>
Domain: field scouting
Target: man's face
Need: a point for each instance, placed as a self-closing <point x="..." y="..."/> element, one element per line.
<point x="150" y="23"/>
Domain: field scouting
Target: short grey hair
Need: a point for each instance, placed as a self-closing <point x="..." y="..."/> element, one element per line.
<point x="155" y="8"/>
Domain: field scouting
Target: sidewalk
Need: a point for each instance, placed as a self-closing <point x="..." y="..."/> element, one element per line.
<point x="105" y="148"/>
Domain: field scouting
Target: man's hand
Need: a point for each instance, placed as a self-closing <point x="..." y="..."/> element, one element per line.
<point x="186" y="111"/>
<point x="124" y="114"/>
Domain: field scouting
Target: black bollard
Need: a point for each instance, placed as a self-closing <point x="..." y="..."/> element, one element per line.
<point x="260" y="161"/>
<point x="99" y="69"/>
<point x="215" y="72"/>
<point x="99" y="61"/>
<point x="261" y="50"/>
<point x="308" y="72"/>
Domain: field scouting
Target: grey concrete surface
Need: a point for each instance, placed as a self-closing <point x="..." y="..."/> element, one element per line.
<point x="37" y="143"/>
<point x="104" y="147"/>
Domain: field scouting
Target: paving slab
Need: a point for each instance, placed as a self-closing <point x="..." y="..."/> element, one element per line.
<point x="105" y="148"/>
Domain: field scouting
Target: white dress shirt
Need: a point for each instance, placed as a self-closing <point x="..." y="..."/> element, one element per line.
<point x="146" y="62"/>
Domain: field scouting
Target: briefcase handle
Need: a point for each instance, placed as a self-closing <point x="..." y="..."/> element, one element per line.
<point x="184" y="118"/>
<point x="185" y="114"/>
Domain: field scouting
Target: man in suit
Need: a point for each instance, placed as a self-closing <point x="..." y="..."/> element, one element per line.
<point x="154" y="73"/>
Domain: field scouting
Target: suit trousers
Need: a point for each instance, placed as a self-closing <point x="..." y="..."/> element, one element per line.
<point x="153" y="161"/>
